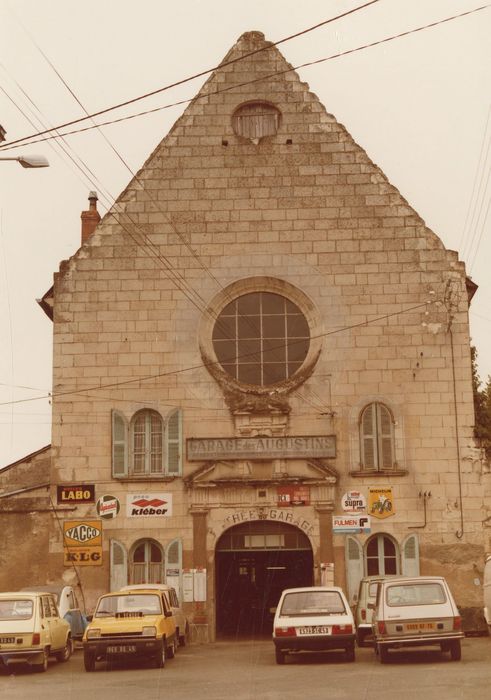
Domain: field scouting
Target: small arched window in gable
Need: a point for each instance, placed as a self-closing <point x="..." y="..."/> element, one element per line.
<point x="255" y="120"/>
<point x="377" y="438"/>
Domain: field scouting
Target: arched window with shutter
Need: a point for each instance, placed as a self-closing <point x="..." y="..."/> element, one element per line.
<point x="147" y="446"/>
<point x="377" y="438"/>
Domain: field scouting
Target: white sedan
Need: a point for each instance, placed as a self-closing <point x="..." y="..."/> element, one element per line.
<point x="317" y="618"/>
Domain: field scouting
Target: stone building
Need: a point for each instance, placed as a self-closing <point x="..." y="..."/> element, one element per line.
<point x="262" y="372"/>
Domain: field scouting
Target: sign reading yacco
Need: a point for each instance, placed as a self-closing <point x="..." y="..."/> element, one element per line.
<point x="314" y="446"/>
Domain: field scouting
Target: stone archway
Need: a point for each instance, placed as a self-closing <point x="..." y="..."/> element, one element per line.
<point x="254" y="562"/>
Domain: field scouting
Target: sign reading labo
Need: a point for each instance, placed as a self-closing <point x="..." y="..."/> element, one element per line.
<point x="313" y="446"/>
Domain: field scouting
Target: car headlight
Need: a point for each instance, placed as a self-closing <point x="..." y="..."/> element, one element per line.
<point x="149" y="632"/>
<point x="93" y="633"/>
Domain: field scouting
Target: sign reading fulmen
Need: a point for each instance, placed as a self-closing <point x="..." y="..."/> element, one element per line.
<point x="309" y="446"/>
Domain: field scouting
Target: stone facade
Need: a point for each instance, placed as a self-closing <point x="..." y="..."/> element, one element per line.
<point x="257" y="189"/>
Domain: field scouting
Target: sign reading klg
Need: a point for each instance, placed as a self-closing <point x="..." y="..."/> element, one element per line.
<point x="381" y="502"/>
<point x="82" y="543"/>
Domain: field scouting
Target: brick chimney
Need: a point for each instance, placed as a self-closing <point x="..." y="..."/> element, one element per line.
<point x="90" y="218"/>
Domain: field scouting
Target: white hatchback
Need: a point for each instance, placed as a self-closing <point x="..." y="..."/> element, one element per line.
<point x="415" y="612"/>
<point x="313" y="619"/>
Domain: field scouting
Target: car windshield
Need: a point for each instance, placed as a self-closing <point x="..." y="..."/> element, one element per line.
<point x="415" y="594"/>
<point x="16" y="609"/>
<point x="136" y="605"/>
<point x="312" y="603"/>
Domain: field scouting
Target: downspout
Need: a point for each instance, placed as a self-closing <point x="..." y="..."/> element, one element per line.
<point x="459" y="534"/>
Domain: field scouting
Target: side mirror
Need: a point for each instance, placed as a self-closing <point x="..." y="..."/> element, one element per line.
<point x="168" y="613"/>
<point x="89" y="618"/>
<point x="371" y="606"/>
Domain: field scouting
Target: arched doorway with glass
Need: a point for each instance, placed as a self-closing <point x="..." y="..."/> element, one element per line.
<point x="146" y="562"/>
<point x="381" y="556"/>
<point x="254" y="563"/>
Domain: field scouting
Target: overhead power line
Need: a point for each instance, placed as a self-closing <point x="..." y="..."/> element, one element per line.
<point x="201" y="73"/>
<point x="18" y="143"/>
<point x="202" y="365"/>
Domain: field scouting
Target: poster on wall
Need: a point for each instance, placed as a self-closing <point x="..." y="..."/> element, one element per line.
<point x="381" y="502"/>
<point x="293" y="495"/>
<point x="82" y="543"/>
<point x="148" y="505"/>
<point x="188" y="585"/>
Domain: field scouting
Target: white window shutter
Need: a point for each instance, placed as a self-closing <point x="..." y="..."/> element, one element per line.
<point x="354" y="566"/>
<point x="119" y="566"/>
<point x="410" y="556"/>
<point x="173" y="440"/>
<point x="119" y="445"/>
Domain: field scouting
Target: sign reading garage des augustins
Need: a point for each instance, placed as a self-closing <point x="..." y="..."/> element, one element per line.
<point x="311" y="446"/>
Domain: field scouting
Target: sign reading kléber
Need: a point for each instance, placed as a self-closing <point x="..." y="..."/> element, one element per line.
<point x="149" y="505"/>
<point x="314" y="446"/>
<point x="346" y="524"/>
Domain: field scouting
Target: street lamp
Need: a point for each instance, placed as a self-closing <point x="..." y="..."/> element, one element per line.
<point x="31" y="161"/>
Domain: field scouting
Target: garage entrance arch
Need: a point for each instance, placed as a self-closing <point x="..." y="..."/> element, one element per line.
<point x="254" y="562"/>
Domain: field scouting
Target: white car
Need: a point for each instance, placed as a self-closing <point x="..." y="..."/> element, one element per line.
<point x="182" y="625"/>
<point x="487" y="592"/>
<point x="317" y="618"/>
<point x="415" y="612"/>
<point x="31" y="630"/>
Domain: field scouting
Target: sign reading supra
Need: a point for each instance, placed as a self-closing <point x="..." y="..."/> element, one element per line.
<point x="148" y="505"/>
<point x="314" y="446"/>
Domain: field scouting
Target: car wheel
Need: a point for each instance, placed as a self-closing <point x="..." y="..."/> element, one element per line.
<point x="43" y="666"/>
<point x="455" y="650"/>
<point x="280" y="656"/>
<point x="350" y="653"/>
<point x="160" y="657"/>
<point x="66" y="652"/>
<point x="383" y="654"/>
<point x="89" y="661"/>
<point x="183" y="638"/>
<point x="171" y="649"/>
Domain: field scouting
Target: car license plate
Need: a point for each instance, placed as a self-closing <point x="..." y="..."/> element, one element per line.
<point x="121" y="649"/>
<point x="7" y="640"/>
<point x="313" y="629"/>
<point x="417" y="626"/>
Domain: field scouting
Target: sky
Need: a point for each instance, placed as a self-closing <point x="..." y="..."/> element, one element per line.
<point x="419" y="105"/>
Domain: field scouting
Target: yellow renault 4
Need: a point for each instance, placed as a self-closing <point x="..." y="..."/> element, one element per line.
<point x="130" y="624"/>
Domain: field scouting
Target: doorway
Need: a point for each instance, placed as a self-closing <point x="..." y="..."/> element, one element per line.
<point x="254" y="563"/>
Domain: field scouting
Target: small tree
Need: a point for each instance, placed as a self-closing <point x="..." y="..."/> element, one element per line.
<point x="482" y="408"/>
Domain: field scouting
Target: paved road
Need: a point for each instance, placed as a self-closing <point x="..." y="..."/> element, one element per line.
<point x="246" y="670"/>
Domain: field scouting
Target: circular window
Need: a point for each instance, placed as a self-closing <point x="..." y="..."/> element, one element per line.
<point x="261" y="338"/>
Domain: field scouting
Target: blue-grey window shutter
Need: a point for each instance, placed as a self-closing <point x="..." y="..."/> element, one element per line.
<point x="119" y="445"/>
<point x="174" y="438"/>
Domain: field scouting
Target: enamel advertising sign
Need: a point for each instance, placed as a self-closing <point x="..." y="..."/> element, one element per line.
<point x="107" y="507"/>
<point x="351" y="524"/>
<point x="381" y="502"/>
<point x="149" y="505"/>
<point x="82" y="542"/>
<point x="353" y="502"/>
